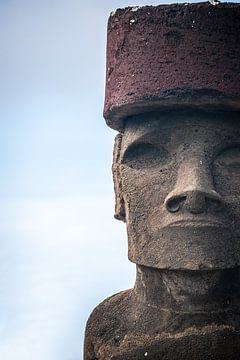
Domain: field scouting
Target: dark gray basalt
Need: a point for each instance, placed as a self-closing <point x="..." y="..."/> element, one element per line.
<point x="176" y="171"/>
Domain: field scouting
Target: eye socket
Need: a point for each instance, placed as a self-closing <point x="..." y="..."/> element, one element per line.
<point x="229" y="158"/>
<point x="145" y="155"/>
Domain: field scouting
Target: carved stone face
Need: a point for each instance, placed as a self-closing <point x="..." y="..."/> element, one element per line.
<point x="179" y="177"/>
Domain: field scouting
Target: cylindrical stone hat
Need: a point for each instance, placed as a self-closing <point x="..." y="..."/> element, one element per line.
<point x="172" y="56"/>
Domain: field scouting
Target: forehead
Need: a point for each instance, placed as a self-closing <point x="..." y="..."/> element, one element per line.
<point x="184" y="124"/>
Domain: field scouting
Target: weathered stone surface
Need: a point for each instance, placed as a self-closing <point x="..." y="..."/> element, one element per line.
<point x="178" y="175"/>
<point x="172" y="55"/>
<point x="176" y="178"/>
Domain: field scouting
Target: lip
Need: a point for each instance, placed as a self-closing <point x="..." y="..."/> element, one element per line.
<point x="197" y="223"/>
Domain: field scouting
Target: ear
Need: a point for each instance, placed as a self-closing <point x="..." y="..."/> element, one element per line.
<point x="119" y="202"/>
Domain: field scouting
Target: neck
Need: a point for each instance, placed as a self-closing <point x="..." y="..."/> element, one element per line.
<point x="188" y="291"/>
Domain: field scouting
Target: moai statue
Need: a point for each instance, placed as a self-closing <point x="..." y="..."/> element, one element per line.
<point x="173" y="93"/>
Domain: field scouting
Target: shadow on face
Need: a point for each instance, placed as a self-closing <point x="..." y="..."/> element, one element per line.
<point x="179" y="176"/>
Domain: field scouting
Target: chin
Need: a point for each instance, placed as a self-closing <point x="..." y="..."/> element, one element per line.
<point x="187" y="248"/>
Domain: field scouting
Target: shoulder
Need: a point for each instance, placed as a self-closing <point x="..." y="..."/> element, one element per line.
<point x="107" y="322"/>
<point x="109" y="313"/>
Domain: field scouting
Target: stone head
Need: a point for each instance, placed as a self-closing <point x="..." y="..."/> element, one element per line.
<point x="177" y="177"/>
<point x="173" y="93"/>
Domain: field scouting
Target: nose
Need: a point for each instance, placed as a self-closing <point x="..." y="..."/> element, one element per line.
<point x="194" y="190"/>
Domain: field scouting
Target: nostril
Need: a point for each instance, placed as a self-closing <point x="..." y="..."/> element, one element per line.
<point x="194" y="201"/>
<point x="174" y="204"/>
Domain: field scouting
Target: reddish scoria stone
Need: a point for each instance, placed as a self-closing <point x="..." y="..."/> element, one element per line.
<point x="172" y="55"/>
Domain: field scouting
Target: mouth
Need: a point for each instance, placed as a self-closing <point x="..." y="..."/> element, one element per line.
<point x="197" y="224"/>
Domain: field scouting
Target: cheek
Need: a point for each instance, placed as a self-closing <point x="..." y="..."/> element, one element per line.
<point x="227" y="184"/>
<point x="145" y="190"/>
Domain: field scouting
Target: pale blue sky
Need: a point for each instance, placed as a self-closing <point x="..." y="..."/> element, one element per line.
<point x="61" y="250"/>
